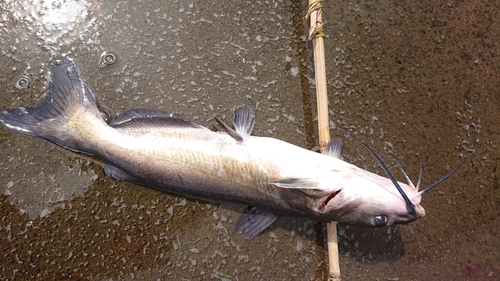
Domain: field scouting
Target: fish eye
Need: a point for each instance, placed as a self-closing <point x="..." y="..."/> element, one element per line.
<point x="380" y="220"/>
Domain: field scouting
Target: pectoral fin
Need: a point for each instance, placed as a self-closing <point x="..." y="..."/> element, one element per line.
<point x="333" y="149"/>
<point x="298" y="183"/>
<point x="253" y="222"/>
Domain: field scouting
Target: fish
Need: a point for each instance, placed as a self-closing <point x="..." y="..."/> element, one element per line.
<point x="161" y="150"/>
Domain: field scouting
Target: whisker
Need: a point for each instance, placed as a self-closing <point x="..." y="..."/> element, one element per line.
<point x="420" y="173"/>
<point x="402" y="169"/>
<point x="414" y="234"/>
<point x="442" y="179"/>
<point x="409" y="205"/>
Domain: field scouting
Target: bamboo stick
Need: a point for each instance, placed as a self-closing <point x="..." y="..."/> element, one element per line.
<point x="316" y="35"/>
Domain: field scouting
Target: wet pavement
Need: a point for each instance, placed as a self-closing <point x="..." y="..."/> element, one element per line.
<point x="418" y="79"/>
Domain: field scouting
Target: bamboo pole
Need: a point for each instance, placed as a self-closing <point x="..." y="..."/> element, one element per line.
<point x="316" y="34"/>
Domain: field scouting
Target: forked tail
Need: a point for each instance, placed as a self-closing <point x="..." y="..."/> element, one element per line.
<point x="67" y="96"/>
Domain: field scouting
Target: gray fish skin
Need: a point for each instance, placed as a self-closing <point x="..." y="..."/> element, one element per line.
<point x="159" y="150"/>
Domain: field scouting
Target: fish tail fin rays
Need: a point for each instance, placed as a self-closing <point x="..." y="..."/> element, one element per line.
<point x="67" y="95"/>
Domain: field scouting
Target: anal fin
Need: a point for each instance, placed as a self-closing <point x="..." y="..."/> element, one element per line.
<point x="117" y="173"/>
<point x="253" y="222"/>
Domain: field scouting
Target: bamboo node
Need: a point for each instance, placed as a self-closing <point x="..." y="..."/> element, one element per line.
<point x="334" y="277"/>
<point x="316" y="29"/>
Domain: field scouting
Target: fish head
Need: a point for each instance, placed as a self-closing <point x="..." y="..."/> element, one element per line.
<point x="367" y="199"/>
<point x="363" y="198"/>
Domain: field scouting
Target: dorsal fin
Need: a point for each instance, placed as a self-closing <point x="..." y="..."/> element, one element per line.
<point x="140" y="117"/>
<point x="244" y="120"/>
<point x="334" y="148"/>
<point x="229" y="130"/>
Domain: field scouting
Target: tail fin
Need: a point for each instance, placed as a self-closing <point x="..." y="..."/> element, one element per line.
<point x="67" y="95"/>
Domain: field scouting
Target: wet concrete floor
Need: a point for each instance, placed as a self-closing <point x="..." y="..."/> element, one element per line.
<point x="419" y="79"/>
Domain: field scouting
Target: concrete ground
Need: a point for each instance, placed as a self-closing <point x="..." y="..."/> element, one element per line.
<point x="419" y="79"/>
